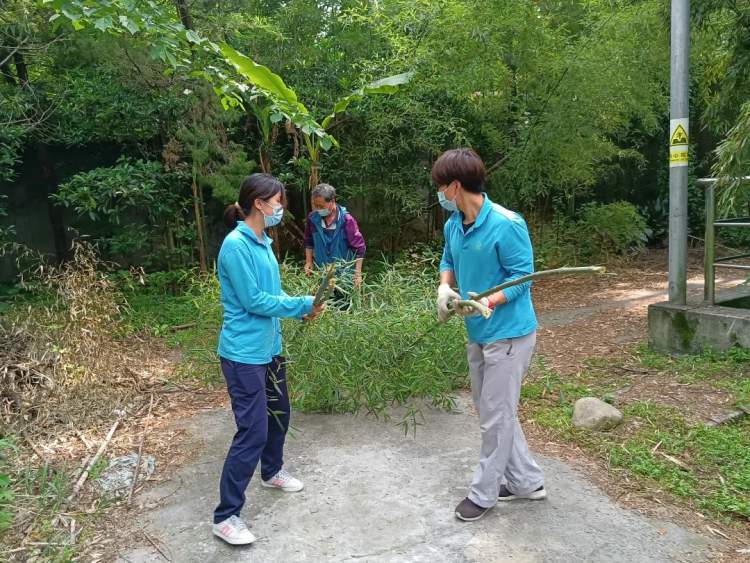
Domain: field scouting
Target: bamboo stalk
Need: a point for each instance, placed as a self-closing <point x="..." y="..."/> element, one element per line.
<point x="326" y="285"/>
<point x="100" y="451"/>
<point x="530" y="277"/>
<point x="140" y="452"/>
<point x="543" y="274"/>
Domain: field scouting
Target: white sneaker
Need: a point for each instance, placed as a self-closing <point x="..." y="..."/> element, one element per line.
<point x="282" y="480"/>
<point x="234" y="531"/>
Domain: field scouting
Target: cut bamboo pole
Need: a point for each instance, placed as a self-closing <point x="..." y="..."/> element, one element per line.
<point x="527" y="278"/>
<point x="97" y="455"/>
<point x="140" y="452"/>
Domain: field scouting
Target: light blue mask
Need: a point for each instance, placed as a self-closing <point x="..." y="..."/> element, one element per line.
<point x="325" y="212"/>
<point x="447" y="204"/>
<point x="275" y="218"/>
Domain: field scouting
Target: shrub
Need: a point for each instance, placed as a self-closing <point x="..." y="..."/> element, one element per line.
<point x="614" y="229"/>
<point x="598" y="234"/>
<point x="386" y="350"/>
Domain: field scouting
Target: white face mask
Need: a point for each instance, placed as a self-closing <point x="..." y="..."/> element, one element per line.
<point x="445" y="203"/>
<point x="276" y="215"/>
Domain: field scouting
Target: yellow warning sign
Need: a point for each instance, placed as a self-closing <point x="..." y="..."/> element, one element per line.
<point x="678" y="142"/>
<point x="679" y="137"/>
<point x="678" y="158"/>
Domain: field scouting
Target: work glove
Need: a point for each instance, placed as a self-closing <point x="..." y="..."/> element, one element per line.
<point x="465" y="311"/>
<point x="445" y="297"/>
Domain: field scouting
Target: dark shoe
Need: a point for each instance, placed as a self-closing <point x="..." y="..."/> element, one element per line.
<point x="468" y="511"/>
<point x="505" y="494"/>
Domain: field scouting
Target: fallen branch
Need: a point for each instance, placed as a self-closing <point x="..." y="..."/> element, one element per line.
<point x="676" y="461"/>
<point x="82" y="438"/>
<point x="153" y="543"/>
<point x="718" y="532"/>
<point x="97" y="455"/>
<point x="140" y="452"/>
<point x="186" y="326"/>
<point x="728" y="417"/>
<point x="36" y="450"/>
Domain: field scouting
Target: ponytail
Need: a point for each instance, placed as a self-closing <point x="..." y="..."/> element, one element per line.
<point x="232" y="214"/>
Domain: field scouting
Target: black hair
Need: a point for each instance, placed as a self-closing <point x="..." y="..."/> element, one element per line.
<point x="255" y="186"/>
<point x="463" y="165"/>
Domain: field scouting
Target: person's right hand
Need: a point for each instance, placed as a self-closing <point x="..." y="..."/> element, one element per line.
<point x="308" y="269"/>
<point x="315" y="313"/>
<point x="445" y="297"/>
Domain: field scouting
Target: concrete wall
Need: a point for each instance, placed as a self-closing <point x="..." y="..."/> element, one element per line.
<point x="690" y="329"/>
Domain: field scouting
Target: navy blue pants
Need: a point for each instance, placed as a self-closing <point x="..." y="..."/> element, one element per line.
<point x="260" y="403"/>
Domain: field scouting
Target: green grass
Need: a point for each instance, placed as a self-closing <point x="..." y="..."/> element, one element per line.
<point x="727" y="371"/>
<point x="712" y="467"/>
<point x="34" y="496"/>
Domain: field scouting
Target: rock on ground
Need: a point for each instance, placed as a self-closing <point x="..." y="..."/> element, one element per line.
<point x="594" y="414"/>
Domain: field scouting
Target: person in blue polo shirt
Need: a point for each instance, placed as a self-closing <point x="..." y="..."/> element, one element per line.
<point x="250" y="351"/>
<point x="486" y="245"/>
<point x="332" y="234"/>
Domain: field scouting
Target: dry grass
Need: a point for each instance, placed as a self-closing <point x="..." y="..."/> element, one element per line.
<point x="63" y="357"/>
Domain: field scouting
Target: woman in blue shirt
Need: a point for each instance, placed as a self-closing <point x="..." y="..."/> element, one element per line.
<point x="250" y="351"/>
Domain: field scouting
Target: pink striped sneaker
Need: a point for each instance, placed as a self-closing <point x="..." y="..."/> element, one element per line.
<point x="234" y="531"/>
<point x="284" y="481"/>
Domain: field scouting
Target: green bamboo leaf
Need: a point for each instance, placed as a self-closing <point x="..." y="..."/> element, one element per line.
<point x="71" y="12"/>
<point x="261" y="76"/>
<point x="193" y="37"/>
<point x="129" y="24"/>
<point x="103" y="24"/>
<point x="388" y="85"/>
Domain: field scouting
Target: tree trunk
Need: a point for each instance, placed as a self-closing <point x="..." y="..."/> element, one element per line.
<point x="184" y="12"/>
<point x="6" y="71"/>
<point x="265" y="160"/>
<point x="199" y="226"/>
<point x="21" y="70"/>
<point x="55" y="214"/>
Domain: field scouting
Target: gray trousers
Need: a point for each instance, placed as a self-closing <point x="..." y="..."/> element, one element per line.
<point x="497" y="370"/>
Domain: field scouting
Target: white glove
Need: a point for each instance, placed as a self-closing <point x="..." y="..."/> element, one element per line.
<point x="465" y="311"/>
<point x="471" y="311"/>
<point x="445" y="297"/>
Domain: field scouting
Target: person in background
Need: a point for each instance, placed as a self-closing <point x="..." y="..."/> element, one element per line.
<point x="486" y="245"/>
<point x="250" y="351"/>
<point x="332" y="234"/>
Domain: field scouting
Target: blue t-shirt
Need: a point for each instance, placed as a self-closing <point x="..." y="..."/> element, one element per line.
<point x="495" y="249"/>
<point x="252" y="298"/>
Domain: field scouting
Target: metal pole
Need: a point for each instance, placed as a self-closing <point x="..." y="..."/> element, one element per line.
<point x="709" y="250"/>
<point x="678" y="172"/>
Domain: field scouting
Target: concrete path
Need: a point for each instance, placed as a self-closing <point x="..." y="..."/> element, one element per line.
<point x="375" y="495"/>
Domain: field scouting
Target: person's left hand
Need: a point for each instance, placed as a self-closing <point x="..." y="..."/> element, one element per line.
<point x="357" y="279"/>
<point x="315" y="313"/>
<point x="467" y="311"/>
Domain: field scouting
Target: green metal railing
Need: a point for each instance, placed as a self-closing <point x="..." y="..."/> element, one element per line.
<point x="710" y="262"/>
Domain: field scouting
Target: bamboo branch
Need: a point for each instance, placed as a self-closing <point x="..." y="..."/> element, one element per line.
<point x="140" y="451"/>
<point x="541" y="275"/>
<point x="100" y="451"/>
<point x="485" y="312"/>
<point x="326" y="285"/>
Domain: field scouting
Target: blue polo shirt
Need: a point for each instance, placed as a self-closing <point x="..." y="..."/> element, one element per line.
<point x="252" y="298"/>
<point x="496" y="249"/>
